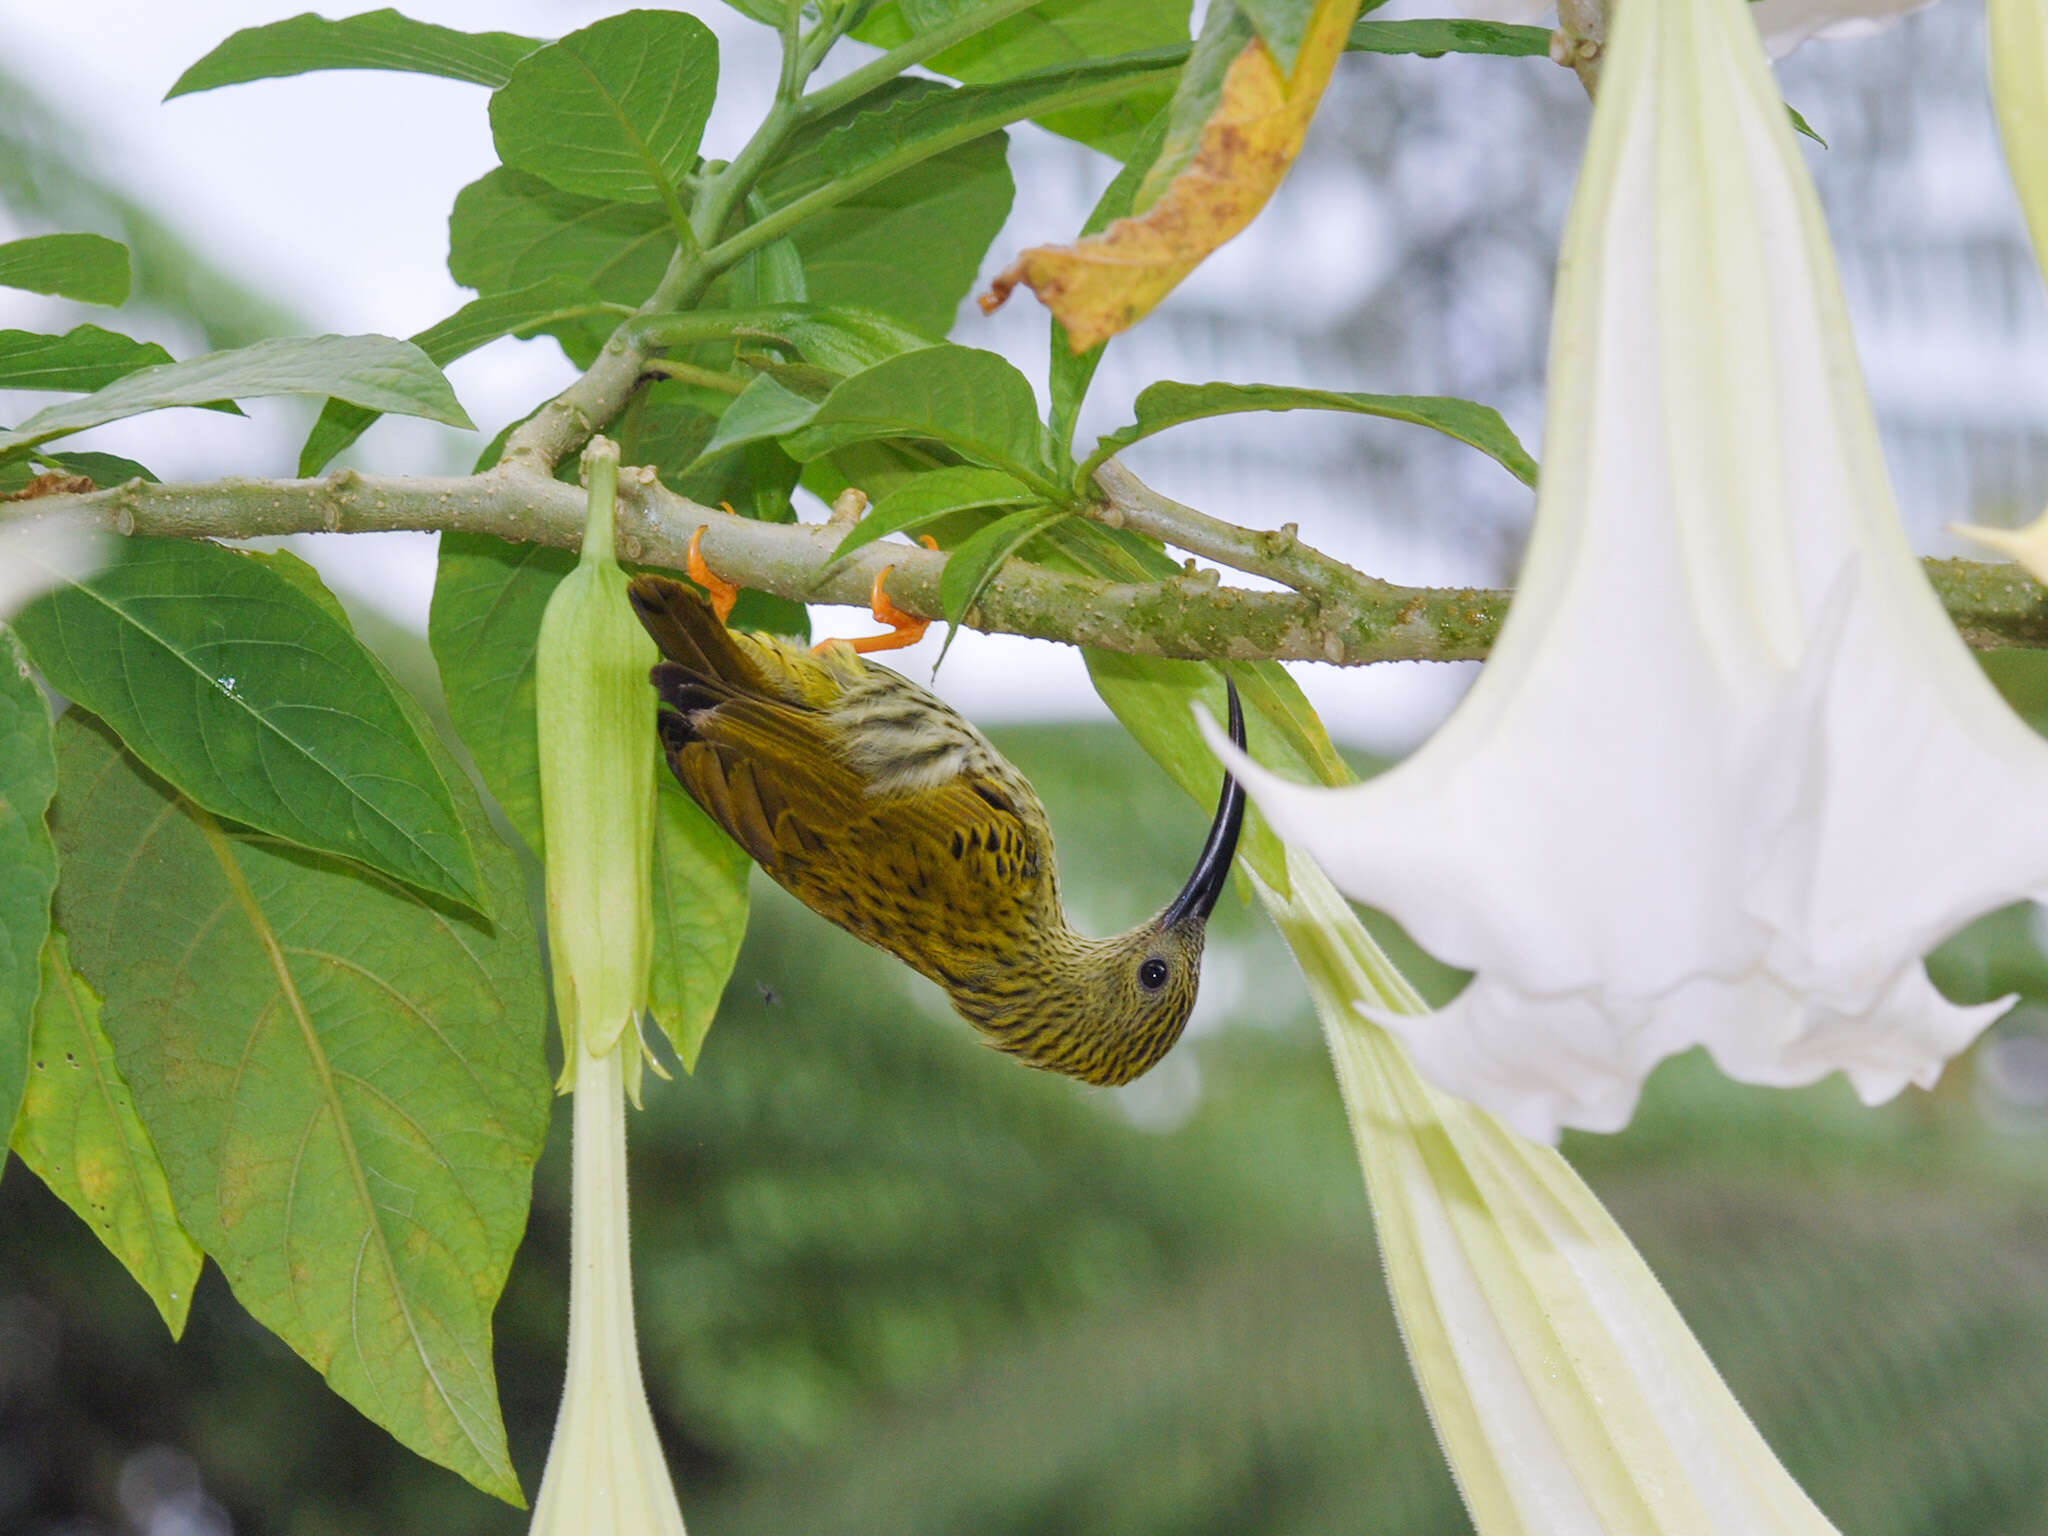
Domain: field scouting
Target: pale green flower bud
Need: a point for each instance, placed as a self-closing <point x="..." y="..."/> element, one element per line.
<point x="605" y="1470"/>
<point x="1568" y="1393"/>
<point x="597" y="786"/>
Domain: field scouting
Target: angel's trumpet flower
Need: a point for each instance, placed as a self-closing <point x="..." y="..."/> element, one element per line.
<point x="1729" y="772"/>
<point x="605" y="1470"/>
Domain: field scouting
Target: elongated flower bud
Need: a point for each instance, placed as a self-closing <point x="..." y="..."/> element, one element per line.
<point x="605" y="1470"/>
<point x="597" y="766"/>
<point x="1567" y="1391"/>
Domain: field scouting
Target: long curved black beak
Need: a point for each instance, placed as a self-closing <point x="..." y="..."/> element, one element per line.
<point x="1197" y="899"/>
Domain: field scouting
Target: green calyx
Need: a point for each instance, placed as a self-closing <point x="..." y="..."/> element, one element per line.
<point x="597" y="783"/>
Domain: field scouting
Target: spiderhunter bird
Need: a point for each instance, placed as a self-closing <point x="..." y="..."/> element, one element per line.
<point x="876" y="805"/>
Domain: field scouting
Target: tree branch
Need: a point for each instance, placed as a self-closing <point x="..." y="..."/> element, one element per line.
<point x="1191" y="617"/>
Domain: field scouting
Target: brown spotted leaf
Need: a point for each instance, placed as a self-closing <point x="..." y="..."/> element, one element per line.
<point x="1106" y="283"/>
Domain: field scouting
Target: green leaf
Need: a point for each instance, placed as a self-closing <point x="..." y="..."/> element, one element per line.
<point x="102" y="468"/>
<point x="614" y="111"/>
<point x="84" y="358"/>
<point x="1434" y="38"/>
<point x="902" y="133"/>
<point x="1051" y="35"/>
<point x="772" y="275"/>
<point x="253" y="699"/>
<point x="522" y="312"/>
<point x="839" y="339"/>
<point x="911" y="246"/>
<point x="956" y="488"/>
<point x="1281" y="25"/>
<point x="1071" y="374"/>
<point x="89" y="268"/>
<point x="347" y="1085"/>
<point x="974" y="402"/>
<point x="372" y="371"/>
<point x="769" y="12"/>
<point x="763" y="410"/>
<point x="973" y="565"/>
<point x="80" y="1133"/>
<point x="1801" y="125"/>
<point x="489" y="596"/>
<point x="1169" y="404"/>
<point x="28" y="867"/>
<point x="510" y="231"/>
<point x="700" y="917"/>
<point x="374" y="40"/>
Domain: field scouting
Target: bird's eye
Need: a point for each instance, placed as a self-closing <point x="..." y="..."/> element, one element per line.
<point x="1152" y="974"/>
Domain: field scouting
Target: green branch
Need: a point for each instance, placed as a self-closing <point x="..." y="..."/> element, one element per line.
<point x="1191" y="617"/>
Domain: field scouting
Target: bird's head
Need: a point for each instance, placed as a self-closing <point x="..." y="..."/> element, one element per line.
<point x="1135" y="991"/>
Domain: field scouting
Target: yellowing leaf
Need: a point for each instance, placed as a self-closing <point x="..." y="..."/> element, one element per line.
<point x="1106" y="283"/>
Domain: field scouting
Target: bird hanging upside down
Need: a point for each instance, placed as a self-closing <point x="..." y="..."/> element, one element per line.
<point x="877" y="806"/>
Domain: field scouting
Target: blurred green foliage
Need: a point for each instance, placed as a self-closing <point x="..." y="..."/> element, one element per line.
<point x="890" y="1281"/>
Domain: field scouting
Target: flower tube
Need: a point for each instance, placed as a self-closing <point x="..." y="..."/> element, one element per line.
<point x="1569" y="1395"/>
<point x="605" y="1470"/>
<point x="1729" y="772"/>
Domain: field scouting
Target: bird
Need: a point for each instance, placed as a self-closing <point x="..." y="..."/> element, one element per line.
<point x="884" y="810"/>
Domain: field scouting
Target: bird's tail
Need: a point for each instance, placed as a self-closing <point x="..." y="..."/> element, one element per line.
<point x="703" y="663"/>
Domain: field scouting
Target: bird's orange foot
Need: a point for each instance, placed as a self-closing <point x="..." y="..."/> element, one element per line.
<point x="723" y="593"/>
<point x="904" y="629"/>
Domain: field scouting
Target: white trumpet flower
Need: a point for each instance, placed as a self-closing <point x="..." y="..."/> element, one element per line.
<point x="605" y="1471"/>
<point x="1729" y="773"/>
<point x="1569" y="1395"/>
<point x="1785" y="24"/>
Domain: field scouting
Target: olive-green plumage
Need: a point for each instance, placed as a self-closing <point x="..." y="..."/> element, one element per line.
<point x="879" y="807"/>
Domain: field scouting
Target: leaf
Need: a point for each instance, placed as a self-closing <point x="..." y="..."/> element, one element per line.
<point x="1226" y="33"/>
<point x="347" y="1085"/>
<point x="1169" y="404"/>
<point x="763" y="410"/>
<point x="1053" y="34"/>
<point x="838" y="338"/>
<point x="1154" y="700"/>
<point x="1070" y="372"/>
<point x="483" y="626"/>
<point x="1282" y="25"/>
<point x="28" y="866"/>
<point x="613" y="111"/>
<point x="700" y="917"/>
<point x="1435" y="37"/>
<point x="374" y="40"/>
<point x="974" y="402"/>
<point x="481" y="321"/>
<point x="257" y="702"/>
<point x="101" y="468"/>
<point x="1108" y="282"/>
<point x="84" y="358"/>
<point x="80" y="1133"/>
<point x="485" y="622"/>
<point x="373" y="371"/>
<point x="956" y="488"/>
<point x="510" y="231"/>
<point x="973" y="564"/>
<point x="909" y="245"/>
<point x="89" y="268"/>
<point x="1801" y="125"/>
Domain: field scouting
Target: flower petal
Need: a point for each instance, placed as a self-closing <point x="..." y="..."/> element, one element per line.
<point x="1569" y="1394"/>
<point x="1729" y="772"/>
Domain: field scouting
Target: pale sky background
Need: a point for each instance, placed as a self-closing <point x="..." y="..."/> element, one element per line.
<point x="330" y="192"/>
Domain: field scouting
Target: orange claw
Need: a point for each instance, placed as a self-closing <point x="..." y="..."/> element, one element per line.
<point x="904" y="629"/>
<point x="722" y="592"/>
